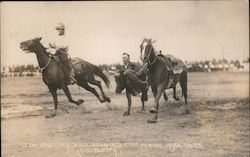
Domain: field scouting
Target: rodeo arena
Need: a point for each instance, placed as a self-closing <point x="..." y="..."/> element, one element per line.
<point x="142" y="95"/>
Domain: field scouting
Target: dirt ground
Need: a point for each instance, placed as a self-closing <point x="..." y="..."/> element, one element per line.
<point x="218" y="124"/>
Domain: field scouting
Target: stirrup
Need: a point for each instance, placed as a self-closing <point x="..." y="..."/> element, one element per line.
<point x="72" y="80"/>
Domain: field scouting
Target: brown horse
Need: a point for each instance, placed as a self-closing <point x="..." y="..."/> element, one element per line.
<point x="178" y="78"/>
<point x="158" y="75"/>
<point x="54" y="77"/>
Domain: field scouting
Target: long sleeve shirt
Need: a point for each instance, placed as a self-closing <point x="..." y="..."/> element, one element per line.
<point x="61" y="43"/>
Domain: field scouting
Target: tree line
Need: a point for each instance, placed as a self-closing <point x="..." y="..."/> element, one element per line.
<point x="20" y="68"/>
<point x="192" y="66"/>
<point x="196" y="66"/>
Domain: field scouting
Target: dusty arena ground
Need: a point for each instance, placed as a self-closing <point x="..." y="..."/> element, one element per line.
<point x="218" y="124"/>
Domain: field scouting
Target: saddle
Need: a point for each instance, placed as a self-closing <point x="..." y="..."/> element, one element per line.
<point x="77" y="65"/>
<point x="173" y="63"/>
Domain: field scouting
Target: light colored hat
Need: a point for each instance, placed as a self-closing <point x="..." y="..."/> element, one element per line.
<point x="60" y="26"/>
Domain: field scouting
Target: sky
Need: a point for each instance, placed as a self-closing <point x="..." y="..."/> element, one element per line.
<point x="100" y="31"/>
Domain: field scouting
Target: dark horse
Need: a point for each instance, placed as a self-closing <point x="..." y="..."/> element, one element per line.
<point x="159" y="75"/>
<point x="124" y="81"/>
<point x="178" y="78"/>
<point x="54" y="77"/>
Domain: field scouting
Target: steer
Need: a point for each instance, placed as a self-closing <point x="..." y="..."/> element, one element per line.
<point x="124" y="80"/>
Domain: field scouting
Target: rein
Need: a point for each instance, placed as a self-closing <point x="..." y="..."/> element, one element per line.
<point x="43" y="68"/>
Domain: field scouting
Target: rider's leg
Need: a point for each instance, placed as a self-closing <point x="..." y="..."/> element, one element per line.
<point x="67" y="71"/>
<point x="71" y="74"/>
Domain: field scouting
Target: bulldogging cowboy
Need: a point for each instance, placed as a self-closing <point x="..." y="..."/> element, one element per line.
<point x="134" y="72"/>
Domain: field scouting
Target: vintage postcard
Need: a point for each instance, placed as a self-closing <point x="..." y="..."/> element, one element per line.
<point x="125" y="78"/>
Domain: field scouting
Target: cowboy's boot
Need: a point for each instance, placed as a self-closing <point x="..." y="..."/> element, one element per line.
<point x="67" y="72"/>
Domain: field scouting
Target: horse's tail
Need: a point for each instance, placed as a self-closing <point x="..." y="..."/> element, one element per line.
<point x="184" y="77"/>
<point x="183" y="83"/>
<point x="98" y="72"/>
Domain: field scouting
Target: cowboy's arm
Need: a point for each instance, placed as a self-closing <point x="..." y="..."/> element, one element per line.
<point x="52" y="45"/>
<point x="142" y="70"/>
<point x="133" y="67"/>
<point x="129" y="69"/>
<point x="60" y="43"/>
<point x="62" y="48"/>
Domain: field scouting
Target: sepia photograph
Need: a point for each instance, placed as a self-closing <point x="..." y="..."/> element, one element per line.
<point x="125" y="78"/>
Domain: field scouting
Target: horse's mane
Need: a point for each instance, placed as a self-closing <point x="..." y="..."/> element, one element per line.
<point x="156" y="52"/>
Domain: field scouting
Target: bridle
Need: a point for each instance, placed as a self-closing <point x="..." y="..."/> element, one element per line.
<point x="50" y="56"/>
<point x="43" y="68"/>
<point x="150" y="51"/>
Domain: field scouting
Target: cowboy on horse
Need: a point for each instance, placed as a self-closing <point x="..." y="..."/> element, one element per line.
<point x="60" y="44"/>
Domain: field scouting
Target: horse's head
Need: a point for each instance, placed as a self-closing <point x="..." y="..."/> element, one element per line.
<point x="30" y="45"/>
<point x="146" y="50"/>
<point x="120" y="80"/>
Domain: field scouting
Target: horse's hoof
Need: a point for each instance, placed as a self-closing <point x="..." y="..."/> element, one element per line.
<point x="152" y="110"/>
<point x="51" y="115"/>
<point x="188" y="109"/>
<point x="80" y="101"/>
<point x="182" y="110"/>
<point x="102" y="101"/>
<point x="126" y="113"/>
<point x="152" y="120"/>
<point x="107" y="99"/>
<point x="177" y="98"/>
<point x="143" y="110"/>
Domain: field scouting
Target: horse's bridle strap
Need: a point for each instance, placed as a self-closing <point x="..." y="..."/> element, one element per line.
<point x="43" y="68"/>
<point x="151" y="63"/>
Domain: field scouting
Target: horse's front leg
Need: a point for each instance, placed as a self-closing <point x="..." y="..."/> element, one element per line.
<point x="129" y="103"/>
<point x="67" y="93"/>
<point x="54" y="95"/>
<point x="159" y="90"/>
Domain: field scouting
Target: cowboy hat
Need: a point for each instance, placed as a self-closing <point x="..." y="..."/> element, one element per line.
<point x="60" y="26"/>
